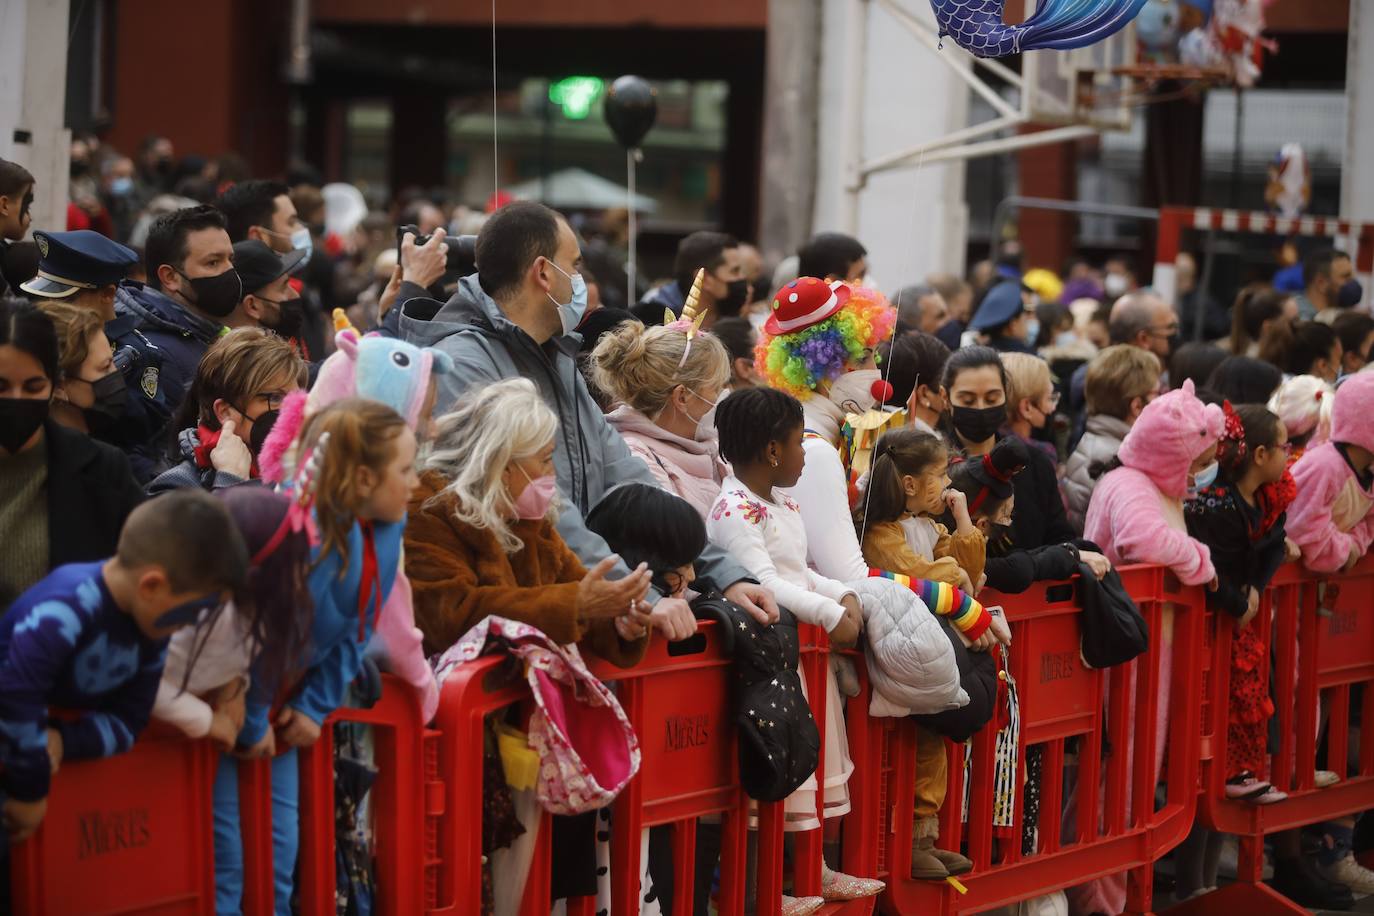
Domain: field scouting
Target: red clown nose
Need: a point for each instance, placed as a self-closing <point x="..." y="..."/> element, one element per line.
<point x="881" y="390"/>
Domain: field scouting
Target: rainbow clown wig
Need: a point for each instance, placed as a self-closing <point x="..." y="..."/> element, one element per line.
<point x="815" y="329"/>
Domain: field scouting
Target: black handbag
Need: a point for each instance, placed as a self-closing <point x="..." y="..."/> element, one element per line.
<point x="778" y="750"/>
<point x="1114" y="631"/>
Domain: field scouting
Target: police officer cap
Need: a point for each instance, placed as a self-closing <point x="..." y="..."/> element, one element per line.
<point x="258" y="265"/>
<point x="1001" y="305"/>
<point x="72" y="261"/>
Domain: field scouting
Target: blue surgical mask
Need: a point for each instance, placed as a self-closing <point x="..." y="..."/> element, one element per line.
<point x="570" y="313"/>
<point x="1065" y="339"/>
<point x="1032" y="330"/>
<point x="1203" y="479"/>
<point x="302" y="241"/>
<point x="121" y="185"/>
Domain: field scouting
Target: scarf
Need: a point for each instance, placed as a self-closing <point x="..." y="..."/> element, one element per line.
<point x="206" y="440"/>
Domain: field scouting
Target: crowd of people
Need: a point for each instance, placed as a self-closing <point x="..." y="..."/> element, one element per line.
<point x="246" y="464"/>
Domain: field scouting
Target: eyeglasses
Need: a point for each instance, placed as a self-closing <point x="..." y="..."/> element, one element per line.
<point x="1053" y="400"/>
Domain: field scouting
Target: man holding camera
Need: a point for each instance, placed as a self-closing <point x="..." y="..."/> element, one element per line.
<point x="84" y="268"/>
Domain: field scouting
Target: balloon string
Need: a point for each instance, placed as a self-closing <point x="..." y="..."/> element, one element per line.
<point x="632" y="226"/>
<point x="495" y="158"/>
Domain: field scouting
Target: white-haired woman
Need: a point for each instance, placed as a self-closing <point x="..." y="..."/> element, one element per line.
<point x="480" y="539"/>
<point x="666" y="396"/>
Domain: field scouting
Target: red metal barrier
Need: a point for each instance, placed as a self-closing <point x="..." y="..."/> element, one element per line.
<point x="127" y="834"/>
<point x="428" y="798"/>
<point x="1322" y="631"/>
<point x="1061" y="702"/>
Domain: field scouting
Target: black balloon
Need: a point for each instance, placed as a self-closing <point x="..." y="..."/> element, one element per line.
<point x="631" y="107"/>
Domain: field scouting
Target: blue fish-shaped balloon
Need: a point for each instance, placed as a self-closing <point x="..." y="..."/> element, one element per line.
<point x="977" y="26"/>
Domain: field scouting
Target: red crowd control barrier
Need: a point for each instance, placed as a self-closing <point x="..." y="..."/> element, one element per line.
<point x="130" y="834"/>
<point x="1069" y="712"/>
<point x="133" y="833"/>
<point x="1321" y="629"/>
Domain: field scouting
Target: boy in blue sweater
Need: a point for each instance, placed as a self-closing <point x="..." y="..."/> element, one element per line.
<point x="91" y="638"/>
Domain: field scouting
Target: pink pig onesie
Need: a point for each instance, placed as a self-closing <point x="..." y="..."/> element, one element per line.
<point x="1136" y="516"/>
<point x="1331" y="515"/>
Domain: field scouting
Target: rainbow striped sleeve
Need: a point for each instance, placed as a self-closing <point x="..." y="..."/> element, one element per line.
<point x="967" y="615"/>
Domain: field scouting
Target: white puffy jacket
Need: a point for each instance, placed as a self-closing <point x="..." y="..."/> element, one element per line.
<point x="910" y="660"/>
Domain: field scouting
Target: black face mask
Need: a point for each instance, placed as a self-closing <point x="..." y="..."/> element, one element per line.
<point x="19" y="420"/>
<point x="978" y="424"/>
<point x="261" y="427"/>
<point x="111" y="397"/>
<point x="735" y="299"/>
<point x="290" y="317"/>
<point x="216" y="296"/>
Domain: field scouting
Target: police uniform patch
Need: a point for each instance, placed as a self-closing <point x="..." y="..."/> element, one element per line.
<point x="149" y="381"/>
<point x="42" y="243"/>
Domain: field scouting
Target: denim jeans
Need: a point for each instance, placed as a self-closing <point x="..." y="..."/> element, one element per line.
<point x="229" y="842"/>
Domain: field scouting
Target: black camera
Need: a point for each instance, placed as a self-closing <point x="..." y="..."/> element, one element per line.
<point x="462" y="250"/>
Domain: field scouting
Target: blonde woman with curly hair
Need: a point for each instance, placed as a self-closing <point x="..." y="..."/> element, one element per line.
<point x="481" y="537"/>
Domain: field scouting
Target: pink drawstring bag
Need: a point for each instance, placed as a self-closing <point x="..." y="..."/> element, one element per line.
<point x="587" y="748"/>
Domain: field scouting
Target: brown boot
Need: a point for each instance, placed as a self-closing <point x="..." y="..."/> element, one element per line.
<point x="925" y="863"/>
<point x="954" y="863"/>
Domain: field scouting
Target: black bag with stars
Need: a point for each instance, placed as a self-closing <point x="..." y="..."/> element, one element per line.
<point x="779" y="745"/>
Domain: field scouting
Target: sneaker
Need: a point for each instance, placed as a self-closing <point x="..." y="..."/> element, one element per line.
<point x="836" y="885"/>
<point x="1325" y="779"/>
<point x="1352" y="874"/>
<point x="1299" y="881"/>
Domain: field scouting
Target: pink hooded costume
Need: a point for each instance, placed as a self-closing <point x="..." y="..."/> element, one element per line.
<point x="1136" y="516"/>
<point x="1331" y="514"/>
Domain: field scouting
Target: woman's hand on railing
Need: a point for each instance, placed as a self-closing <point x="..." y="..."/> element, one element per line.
<point x="634" y="624"/>
<point x="1099" y="564"/>
<point x="999" y="629"/>
<point x="599" y="597"/>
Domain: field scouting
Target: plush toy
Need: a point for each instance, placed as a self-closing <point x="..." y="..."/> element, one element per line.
<point x="401" y="376"/>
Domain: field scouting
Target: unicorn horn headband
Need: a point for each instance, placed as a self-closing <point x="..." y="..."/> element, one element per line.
<point x="690" y="322"/>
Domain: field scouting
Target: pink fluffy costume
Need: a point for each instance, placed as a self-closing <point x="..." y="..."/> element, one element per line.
<point x="400" y="376"/>
<point x="1330" y="516"/>
<point x="1136" y="515"/>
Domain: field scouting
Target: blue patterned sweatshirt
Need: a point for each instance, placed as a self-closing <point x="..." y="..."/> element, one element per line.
<point x="65" y="643"/>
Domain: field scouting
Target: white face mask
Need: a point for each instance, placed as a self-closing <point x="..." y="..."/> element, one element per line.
<point x="302" y="241"/>
<point x="1115" y="284"/>
<point x="854" y="390"/>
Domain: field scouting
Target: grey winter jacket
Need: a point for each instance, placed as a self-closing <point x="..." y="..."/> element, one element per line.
<point x="590" y="459"/>
<point x="1101" y="440"/>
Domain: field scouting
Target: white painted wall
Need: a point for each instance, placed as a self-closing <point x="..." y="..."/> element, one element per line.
<point x="1357" y="180"/>
<point x="912" y="220"/>
<point x="33" y="82"/>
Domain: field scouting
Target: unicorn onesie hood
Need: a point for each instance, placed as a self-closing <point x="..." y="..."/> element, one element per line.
<point x="400" y="376"/>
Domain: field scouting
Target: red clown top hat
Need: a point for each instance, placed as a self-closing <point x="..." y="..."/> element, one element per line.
<point x="804" y="302"/>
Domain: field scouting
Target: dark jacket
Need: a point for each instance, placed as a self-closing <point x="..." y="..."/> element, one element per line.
<point x="91" y="491"/>
<point x="146" y="411"/>
<point x="180" y="336"/>
<point x="590" y="459"/>
<point x="1010" y="345"/>
<point x="1020" y="569"/>
<point x="668" y="296"/>
<point x="1038" y="518"/>
<point x="1244" y="556"/>
<point x="186" y="473"/>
